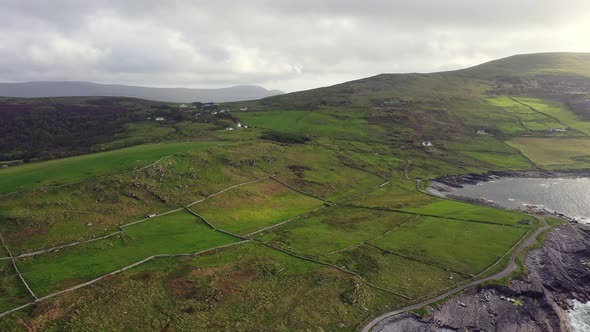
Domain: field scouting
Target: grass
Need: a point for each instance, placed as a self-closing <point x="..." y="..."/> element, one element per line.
<point x="461" y="246"/>
<point x="42" y="218"/>
<point x="412" y="278"/>
<point x="460" y="210"/>
<point x="335" y="228"/>
<point x="61" y="171"/>
<point x="347" y="124"/>
<point x="559" y="111"/>
<point x="322" y="171"/>
<point x="553" y="151"/>
<point x="171" y="234"/>
<point x="246" y="209"/>
<point x="493" y="152"/>
<point x="12" y="291"/>
<point x="246" y="287"/>
<point x="531" y="120"/>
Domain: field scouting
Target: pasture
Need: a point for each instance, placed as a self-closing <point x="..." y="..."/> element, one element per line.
<point x="466" y="247"/>
<point x="553" y="152"/>
<point x="177" y="233"/>
<point x="73" y="169"/>
<point x="254" y="206"/>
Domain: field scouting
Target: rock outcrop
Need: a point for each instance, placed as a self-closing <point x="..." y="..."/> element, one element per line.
<point x="557" y="273"/>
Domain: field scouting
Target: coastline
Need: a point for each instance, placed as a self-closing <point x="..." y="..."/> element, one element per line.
<point x="541" y="299"/>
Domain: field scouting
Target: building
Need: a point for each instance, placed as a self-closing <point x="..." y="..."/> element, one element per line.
<point x="426" y="143"/>
<point x="239" y="125"/>
<point x="151" y="215"/>
<point x="229" y="128"/>
<point x="244" y="109"/>
<point x="560" y="130"/>
<point x="481" y="132"/>
<point x="182" y="106"/>
<point x="160" y="118"/>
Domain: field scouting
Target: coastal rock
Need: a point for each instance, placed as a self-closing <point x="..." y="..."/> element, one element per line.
<point x="557" y="273"/>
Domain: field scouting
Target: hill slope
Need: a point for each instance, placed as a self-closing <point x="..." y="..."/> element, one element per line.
<point x="184" y="95"/>
<point x="326" y="185"/>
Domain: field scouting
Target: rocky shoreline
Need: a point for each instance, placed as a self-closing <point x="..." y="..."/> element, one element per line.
<point x="446" y="185"/>
<point x="557" y="273"/>
<point x="449" y="182"/>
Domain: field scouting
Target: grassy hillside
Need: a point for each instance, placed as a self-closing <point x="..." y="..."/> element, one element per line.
<point x="533" y="64"/>
<point x="326" y="230"/>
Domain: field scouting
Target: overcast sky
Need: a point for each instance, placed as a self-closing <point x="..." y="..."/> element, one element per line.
<point x="287" y="45"/>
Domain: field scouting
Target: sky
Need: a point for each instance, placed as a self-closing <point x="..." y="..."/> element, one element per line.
<point x="279" y="44"/>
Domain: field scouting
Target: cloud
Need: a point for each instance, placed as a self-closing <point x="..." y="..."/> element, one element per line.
<point x="286" y="44"/>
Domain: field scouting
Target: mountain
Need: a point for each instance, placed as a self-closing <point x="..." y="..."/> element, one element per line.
<point x="185" y="95"/>
<point x="552" y="75"/>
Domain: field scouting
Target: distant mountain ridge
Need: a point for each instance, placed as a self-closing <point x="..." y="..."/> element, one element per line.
<point x="183" y="95"/>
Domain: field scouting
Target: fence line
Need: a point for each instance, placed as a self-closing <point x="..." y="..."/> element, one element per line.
<point x="16" y="268"/>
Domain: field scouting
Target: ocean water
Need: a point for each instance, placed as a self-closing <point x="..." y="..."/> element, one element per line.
<point x="570" y="196"/>
<point x="580" y="317"/>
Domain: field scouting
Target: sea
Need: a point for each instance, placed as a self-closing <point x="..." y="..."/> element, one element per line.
<point x="569" y="196"/>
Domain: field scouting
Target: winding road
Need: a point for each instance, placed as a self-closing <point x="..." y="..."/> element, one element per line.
<point x="511" y="267"/>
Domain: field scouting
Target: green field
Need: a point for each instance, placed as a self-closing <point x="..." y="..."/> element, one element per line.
<point x="409" y="277"/>
<point x="246" y="209"/>
<point x="491" y="151"/>
<point x="345" y="124"/>
<point x="559" y="112"/>
<point x="176" y="233"/>
<point x="62" y="171"/>
<point x="336" y="228"/>
<point x="461" y="246"/>
<point x="529" y="118"/>
<point x="460" y="210"/>
<point x="13" y="292"/>
<point x="553" y="151"/>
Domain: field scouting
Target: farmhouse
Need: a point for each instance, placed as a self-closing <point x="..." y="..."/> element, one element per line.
<point x="561" y="130"/>
<point x="160" y="118"/>
<point x="230" y="128"/>
<point x="481" y="132"/>
<point x="426" y="143"/>
<point x="151" y="215"/>
<point x="244" y="109"/>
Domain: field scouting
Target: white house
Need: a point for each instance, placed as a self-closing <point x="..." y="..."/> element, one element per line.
<point x="229" y="128"/>
<point x="427" y="143"/>
<point x="239" y="125"/>
<point x="160" y="118"/>
<point x="244" y="109"/>
<point x="481" y="132"/>
<point x="182" y="106"/>
<point x="561" y="130"/>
